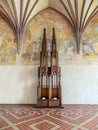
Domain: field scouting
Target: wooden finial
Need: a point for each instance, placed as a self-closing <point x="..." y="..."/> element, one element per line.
<point x="53" y="33"/>
<point x="53" y="41"/>
<point x="44" y="42"/>
<point x="44" y="32"/>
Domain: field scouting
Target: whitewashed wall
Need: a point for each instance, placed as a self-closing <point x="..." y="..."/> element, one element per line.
<point x="18" y="84"/>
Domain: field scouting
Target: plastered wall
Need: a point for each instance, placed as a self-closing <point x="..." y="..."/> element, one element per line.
<point x="18" y="73"/>
<point x="18" y="84"/>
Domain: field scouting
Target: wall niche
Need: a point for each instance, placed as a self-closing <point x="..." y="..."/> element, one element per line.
<point x="33" y="37"/>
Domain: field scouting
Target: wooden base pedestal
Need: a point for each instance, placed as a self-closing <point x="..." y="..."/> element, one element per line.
<point x="49" y="98"/>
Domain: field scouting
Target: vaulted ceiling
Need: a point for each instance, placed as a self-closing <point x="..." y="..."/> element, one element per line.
<point x="18" y="14"/>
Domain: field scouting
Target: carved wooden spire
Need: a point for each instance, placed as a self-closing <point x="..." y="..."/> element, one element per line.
<point x="54" y="55"/>
<point x="44" y="54"/>
<point x="44" y="41"/>
<point x="53" y="41"/>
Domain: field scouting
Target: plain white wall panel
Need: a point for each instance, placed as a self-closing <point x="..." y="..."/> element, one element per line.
<point x="18" y="84"/>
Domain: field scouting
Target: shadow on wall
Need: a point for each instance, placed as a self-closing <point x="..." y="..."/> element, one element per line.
<point x="30" y="81"/>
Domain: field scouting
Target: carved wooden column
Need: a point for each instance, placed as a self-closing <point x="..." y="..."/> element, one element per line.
<point x="55" y="88"/>
<point x="43" y="74"/>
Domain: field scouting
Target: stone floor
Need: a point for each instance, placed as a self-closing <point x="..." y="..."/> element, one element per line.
<point x="26" y="117"/>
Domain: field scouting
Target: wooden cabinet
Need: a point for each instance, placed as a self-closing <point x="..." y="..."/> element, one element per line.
<point x="49" y="76"/>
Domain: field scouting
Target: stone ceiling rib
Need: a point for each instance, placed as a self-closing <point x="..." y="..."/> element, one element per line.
<point x="18" y="13"/>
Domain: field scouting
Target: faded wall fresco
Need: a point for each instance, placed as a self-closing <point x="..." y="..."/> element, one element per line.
<point x="7" y="44"/>
<point x="34" y="33"/>
<point x="32" y="41"/>
<point x="90" y="42"/>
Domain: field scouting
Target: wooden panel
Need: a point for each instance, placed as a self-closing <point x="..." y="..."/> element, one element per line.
<point x="43" y="92"/>
<point x="43" y="102"/>
<point x="54" y="92"/>
<point x="55" y="102"/>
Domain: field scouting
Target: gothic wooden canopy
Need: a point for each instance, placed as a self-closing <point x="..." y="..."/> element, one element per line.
<point x="18" y="14"/>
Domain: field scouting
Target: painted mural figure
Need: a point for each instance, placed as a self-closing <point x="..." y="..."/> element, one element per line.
<point x="84" y="47"/>
<point x="88" y="47"/>
<point x="91" y="47"/>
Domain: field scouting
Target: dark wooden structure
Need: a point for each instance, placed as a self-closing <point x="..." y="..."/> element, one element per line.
<point x="49" y="75"/>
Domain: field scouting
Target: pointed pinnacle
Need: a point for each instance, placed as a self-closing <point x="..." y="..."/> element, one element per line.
<point x="53" y="33"/>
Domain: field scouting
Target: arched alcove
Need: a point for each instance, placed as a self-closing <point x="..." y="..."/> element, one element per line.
<point x="32" y="38"/>
<point x="90" y="41"/>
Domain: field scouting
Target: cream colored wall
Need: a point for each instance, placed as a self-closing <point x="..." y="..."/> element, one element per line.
<point x="80" y="84"/>
<point x="18" y="84"/>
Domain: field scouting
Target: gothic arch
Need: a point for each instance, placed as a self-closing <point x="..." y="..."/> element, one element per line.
<point x="18" y="13"/>
<point x="51" y="9"/>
